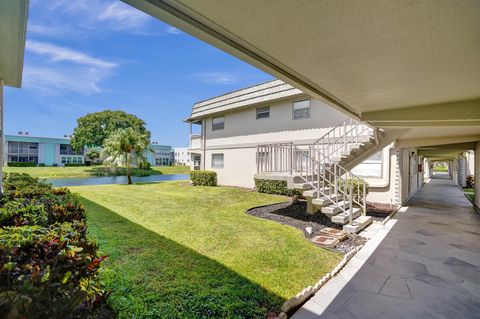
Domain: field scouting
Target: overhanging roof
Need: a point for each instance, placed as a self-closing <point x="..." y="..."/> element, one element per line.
<point x="13" y="26"/>
<point x="391" y="63"/>
<point x="247" y="97"/>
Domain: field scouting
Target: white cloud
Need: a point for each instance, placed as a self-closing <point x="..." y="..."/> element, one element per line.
<point x="56" y="81"/>
<point x="56" y="53"/>
<point x="64" y="70"/>
<point x="58" y="18"/>
<point x="216" y="78"/>
<point x="123" y="16"/>
<point x="173" y="30"/>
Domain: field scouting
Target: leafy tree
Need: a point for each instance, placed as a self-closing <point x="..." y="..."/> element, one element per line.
<point x="93" y="154"/>
<point x="123" y="146"/>
<point x="92" y="129"/>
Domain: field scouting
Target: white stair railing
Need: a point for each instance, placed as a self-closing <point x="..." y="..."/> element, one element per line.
<point x="317" y="164"/>
<point x="341" y="139"/>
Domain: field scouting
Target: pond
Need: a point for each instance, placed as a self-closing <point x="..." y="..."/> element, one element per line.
<point x="81" y="181"/>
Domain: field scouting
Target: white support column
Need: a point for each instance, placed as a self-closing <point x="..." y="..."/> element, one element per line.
<point x="1" y="135"/>
<point x="203" y="160"/>
<point x="477" y="174"/>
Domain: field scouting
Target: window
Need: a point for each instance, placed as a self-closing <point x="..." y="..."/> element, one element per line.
<point x="218" y="123"/>
<point x="371" y="167"/>
<point x="375" y="158"/>
<point x="64" y="159"/>
<point x="263" y="112"/>
<point x="217" y="160"/>
<point x="23" y="151"/>
<point x="66" y="149"/>
<point x="301" y="109"/>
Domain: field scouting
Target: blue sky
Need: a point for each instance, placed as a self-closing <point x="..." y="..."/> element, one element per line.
<point x="85" y="56"/>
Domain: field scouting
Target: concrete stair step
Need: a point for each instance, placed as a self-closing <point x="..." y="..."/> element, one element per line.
<point x="313" y="193"/>
<point x="338" y="159"/>
<point x="355" y="147"/>
<point x="325" y="200"/>
<point x="347" y="153"/>
<point x="334" y="209"/>
<point x="344" y="217"/>
<point x="358" y="224"/>
<point x="366" y="139"/>
<point x="304" y="186"/>
<point x="301" y="186"/>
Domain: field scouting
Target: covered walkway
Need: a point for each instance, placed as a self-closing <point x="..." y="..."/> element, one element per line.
<point x="428" y="265"/>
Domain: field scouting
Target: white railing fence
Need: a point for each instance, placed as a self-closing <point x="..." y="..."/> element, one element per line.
<point x="316" y="164"/>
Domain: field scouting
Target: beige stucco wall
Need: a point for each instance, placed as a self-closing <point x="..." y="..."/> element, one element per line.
<point x="381" y="189"/>
<point x="239" y="166"/>
<point x="244" y="122"/>
<point x="243" y="132"/>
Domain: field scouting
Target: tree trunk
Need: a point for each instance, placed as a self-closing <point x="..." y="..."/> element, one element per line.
<point x="128" y="169"/>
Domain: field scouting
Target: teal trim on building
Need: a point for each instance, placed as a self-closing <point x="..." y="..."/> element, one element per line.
<point x="48" y="154"/>
<point x="57" y="151"/>
<point x="39" y="150"/>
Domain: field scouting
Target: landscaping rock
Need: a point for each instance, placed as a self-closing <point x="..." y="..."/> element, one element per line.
<point x="312" y="225"/>
<point x="325" y="241"/>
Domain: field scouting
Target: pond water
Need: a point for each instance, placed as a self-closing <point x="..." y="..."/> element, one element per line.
<point x="81" y="181"/>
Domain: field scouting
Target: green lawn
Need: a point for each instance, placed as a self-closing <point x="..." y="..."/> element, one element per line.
<point x="470" y="192"/>
<point x="86" y="171"/>
<point x="179" y="251"/>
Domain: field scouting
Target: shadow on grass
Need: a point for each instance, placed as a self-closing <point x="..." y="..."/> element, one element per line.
<point x="154" y="277"/>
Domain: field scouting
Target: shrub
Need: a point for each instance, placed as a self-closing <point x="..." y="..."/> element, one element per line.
<point x="48" y="267"/>
<point x="278" y="187"/>
<point x="21" y="164"/>
<point x="470" y="181"/>
<point x="74" y="164"/>
<point x="54" y="164"/>
<point x="203" y="178"/>
<point x="144" y="165"/>
<point x="41" y="164"/>
<point x="357" y="186"/>
<point x="48" y="272"/>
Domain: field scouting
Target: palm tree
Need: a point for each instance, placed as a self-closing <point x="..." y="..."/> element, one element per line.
<point x="123" y="146"/>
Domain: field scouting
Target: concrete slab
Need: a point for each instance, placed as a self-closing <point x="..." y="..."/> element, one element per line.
<point x="427" y="266"/>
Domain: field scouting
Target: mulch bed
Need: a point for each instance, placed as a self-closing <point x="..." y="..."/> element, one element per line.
<point x="295" y="214"/>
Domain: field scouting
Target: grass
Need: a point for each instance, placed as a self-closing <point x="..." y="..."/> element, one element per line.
<point x="86" y="171"/>
<point x="470" y="192"/>
<point x="179" y="251"/>
<point x="440" y="169"/>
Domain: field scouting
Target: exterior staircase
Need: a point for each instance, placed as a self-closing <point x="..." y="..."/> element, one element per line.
<point x="317" y="171"/>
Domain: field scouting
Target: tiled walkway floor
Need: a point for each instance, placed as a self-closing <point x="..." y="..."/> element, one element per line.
<point x="428" y="266"/>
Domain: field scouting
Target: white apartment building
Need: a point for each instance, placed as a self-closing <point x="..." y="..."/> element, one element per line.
<point x="181" y="156"/>
<point x="226" y="132"/>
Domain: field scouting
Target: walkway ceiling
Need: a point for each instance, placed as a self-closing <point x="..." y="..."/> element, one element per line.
<point x="13" y="24"/>
<point x="413" y="64"/>
<point x="450" y="151"/>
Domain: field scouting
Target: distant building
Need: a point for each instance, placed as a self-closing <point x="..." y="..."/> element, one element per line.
<point x="58" y="151"/>
<point x="162" y="155"/>
<point x="40" y="150"/>
<point x="181" y="156"/>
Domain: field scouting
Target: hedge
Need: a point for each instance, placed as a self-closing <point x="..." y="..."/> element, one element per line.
<point x="21" y="164"/>
<point x="48" y="266"/>
<point x="278" y="187"/>
<point x="203" y="178"/>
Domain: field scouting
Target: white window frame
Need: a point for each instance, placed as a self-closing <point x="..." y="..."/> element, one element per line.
<point x="262" y="110"/>
<point x="370" y="161"/>
<point x="218" y="124"/>
<point x="309" y="109"/>
<point x="223" y="160"/>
